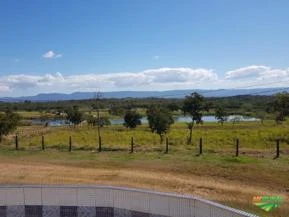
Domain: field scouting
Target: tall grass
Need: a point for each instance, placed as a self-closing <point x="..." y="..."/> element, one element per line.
<point x="253" y="136"/>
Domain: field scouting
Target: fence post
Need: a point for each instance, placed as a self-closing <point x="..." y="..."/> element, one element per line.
<point x="131" y="145"/>
<point x="70" y="144"/>
<point x="99" y="143"/>
<point x="237" y="147"/>
<point x="201" y="146"/>
<point x="167" y="145"/>
<point x="42" y="142"/>
<point x="16" y="142"/>
<point x="277" y="148"/>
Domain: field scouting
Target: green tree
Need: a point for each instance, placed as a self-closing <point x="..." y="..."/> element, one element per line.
<point x="173" y="107"/>
<point x="261" y="115"/>
<point x="116" y="110"/>
<point x="8" y="123"/>
<point x="281" y="103"/>
<point x="280" y="107"/>
<point x="160" y="120"/>
<point x="279" y="117"/>
<point x="93" y="121"/>
<point x="194" y="105"/>
<point x="74" y="115"/>
<point x="220" y="114"/>
<point x="103" y="121"/>
<point x="132" y="119"/>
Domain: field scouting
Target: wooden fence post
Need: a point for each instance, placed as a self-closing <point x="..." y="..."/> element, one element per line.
<point x="201" y="146"/>
<point x="277" y="148"/>
<point x="131" y="145"/>
<point x="99" y="143"/>
<point x="42" y="142"/>
<point x="167" y="145"/>
<point x="16" y="142"/>
<point x="237" y="147"/>
<point x="70" y="144"/>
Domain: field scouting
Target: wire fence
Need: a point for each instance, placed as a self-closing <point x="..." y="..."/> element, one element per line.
<point x="236" y="146"/>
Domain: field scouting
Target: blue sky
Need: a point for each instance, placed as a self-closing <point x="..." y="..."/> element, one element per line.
<point x="72" y="45"/>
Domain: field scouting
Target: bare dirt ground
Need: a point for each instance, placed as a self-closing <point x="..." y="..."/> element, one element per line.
<point x="216" y="184"/>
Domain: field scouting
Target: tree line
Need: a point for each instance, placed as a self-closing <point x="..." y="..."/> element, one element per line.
<point x="159" y="115"/>
<point x="247" y="104"/>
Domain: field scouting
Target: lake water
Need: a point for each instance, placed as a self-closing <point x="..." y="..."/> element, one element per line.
<point x="54" y="123"/>
<point x="178" y="119"/>
<point x="187" y="119"/>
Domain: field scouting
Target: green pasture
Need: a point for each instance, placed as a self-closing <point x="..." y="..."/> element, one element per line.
<point x="254" y="137"/>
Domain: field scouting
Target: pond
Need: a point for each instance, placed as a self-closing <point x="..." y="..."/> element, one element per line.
<point x="53" y="123"/>
<point x="178" y="119"/>
<point x="187" y="119"/>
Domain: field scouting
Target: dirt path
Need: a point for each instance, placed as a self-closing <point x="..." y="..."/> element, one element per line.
<point x="220" y="189"/>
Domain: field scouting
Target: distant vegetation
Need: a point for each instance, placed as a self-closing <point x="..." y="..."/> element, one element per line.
<point x="248" y="105"/>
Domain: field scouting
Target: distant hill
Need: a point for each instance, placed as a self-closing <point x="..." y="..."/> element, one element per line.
<point x="144" y="94"/>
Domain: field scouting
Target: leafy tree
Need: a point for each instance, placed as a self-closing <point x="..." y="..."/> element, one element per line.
<point x="281" y="103"/>
<point x="235" y="119"/>
<point x="173" y="107"/>
<point x="194" y="105"/>
<point x="104" y="121"/>
<point x="261" y="115"/>
<point x="247" y="107"/>
<point x="116" y="110"/>
<point x="74" y="115"/>
<point x="8" y="123"/>
<point x="131" y="119"/>
<point x="279" y="117"/>
<point x="280" y="106"/>
<point x="159" y="120"/>
<point x="220" y="114"/>
<point x="93" y="121"/>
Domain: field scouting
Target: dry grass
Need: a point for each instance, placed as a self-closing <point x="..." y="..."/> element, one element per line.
<point x="234" y="186"/>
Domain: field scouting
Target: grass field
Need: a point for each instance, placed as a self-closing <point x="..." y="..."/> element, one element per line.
<point x="216" y="175"/>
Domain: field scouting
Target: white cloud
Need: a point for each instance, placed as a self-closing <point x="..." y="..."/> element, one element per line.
<point x="164" y="78"/>
<point x="257" y="72"/>
<point x="51" y="55"/>
<point x="4" y="88"/>
<point x="58" y="55"/>
<point x="151" y="79"/>
<point x="180" y="75"/>
<point x="156" y="57"/>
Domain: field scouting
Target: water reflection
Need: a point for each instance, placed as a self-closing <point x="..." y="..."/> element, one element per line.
<point x="144" y="120"/>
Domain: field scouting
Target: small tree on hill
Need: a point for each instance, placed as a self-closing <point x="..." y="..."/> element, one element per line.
<point x="8" y="123"/>
<point x="131" y="119"/>
<point x="220" y="114"/>
<point x="160" y="120"/>
<point x="74" y="115"/>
